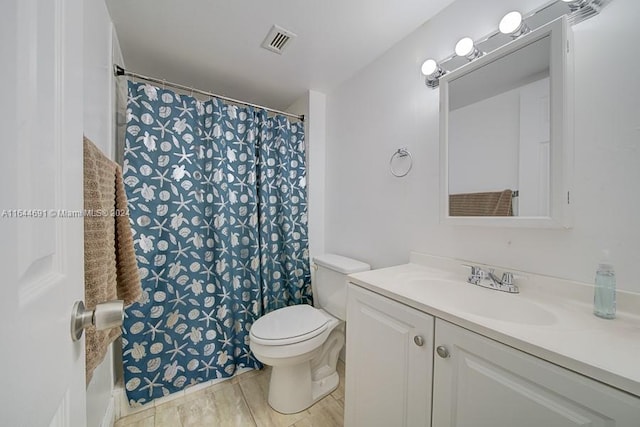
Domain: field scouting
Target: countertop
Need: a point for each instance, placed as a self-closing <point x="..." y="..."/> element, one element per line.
<point x="550" y="318"/>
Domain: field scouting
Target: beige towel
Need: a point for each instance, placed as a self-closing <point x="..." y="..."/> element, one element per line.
<point x="497" y="203"/>
<point x="110" y="267"/>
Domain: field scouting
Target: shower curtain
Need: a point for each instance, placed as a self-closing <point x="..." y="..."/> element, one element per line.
<point x="218" y="206"/>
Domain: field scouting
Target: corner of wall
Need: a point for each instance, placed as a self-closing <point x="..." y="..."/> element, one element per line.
<point x="313" y="105"/>
<point x="317" y="134"/>
<point x="101" y="49"/>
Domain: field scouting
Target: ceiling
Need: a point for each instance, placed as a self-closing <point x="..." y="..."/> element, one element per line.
<point x="214" y="45"/>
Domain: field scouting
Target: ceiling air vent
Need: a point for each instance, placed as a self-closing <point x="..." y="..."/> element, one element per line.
<point x="277" y="39"/>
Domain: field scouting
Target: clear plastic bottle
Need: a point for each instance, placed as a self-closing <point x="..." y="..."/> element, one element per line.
<point x="604" y="297"/>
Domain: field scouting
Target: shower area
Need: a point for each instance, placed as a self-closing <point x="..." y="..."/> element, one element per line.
<point x="217" y="198"/>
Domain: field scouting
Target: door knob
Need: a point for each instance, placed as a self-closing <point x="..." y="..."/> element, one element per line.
<point x="442" y="351"/>
<point x="418" y="340"/>
<point x="106" y="315"/>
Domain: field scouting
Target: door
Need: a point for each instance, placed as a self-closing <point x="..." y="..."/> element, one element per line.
<point x="41" y="227"/>
<point x="389" y="362"/>
<point x="483" y="383"/>
<point x="534" y="149"/>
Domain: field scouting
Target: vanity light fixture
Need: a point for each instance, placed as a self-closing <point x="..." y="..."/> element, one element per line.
<point x="579" y="4"/>
<point x="584" y="9"/>
<point x="513" y="25"/>
<point x="465" y="48"/>
<point x="432" y="72"/>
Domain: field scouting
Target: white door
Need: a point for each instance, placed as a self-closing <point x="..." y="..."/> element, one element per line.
<point x="41" y="257"/>
<point x="389" y="362"/>
<point x="487" y="384"/>
<point x="534" y="166"/>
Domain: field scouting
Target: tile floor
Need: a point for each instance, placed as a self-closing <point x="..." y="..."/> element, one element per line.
<point x="240" y="401"/>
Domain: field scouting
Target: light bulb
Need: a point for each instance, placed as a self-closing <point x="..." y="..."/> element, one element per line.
<point x="432" y="72"/>
<point x="464" y="46"/>
<point x="510" y="22"/>
<point x="429" y="67"/>
<point x="467" y="49"/>
<point x="513" y="25"/>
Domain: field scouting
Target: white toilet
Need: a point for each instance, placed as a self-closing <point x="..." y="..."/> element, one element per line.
<point x="302" y="343"/>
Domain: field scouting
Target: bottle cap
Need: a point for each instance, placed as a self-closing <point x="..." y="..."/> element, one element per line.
<point x="605" y="260"/>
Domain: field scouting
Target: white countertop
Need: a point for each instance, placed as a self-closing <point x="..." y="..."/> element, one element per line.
<point x="550" y="318"/>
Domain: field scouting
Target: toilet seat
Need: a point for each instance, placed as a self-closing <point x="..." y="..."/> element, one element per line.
<point x="289" y="325"/>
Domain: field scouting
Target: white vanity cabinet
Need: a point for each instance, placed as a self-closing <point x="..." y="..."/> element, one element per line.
<point x="479" y="382"/>
<point x="408" y="368"/>
<point x="390" y="359"/>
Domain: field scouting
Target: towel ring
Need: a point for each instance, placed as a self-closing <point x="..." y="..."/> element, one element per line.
<point x="400" y="153"/>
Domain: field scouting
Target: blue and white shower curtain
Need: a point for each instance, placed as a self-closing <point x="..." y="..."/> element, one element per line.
<point x="217" y="199"/>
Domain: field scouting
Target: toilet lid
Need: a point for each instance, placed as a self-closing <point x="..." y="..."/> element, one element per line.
<point x="291" y="324"/>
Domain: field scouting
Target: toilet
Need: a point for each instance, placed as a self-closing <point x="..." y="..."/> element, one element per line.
<point x="302" y="343"/>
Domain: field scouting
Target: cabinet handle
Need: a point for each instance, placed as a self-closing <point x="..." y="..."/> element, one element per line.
<point x="418" y="340"/>
<point x="442" y="351"/>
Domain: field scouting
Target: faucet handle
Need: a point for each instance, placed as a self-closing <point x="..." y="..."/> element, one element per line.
<point x="477" y="271"/>
<point x="475" y="274"/>
<point x="507" y="278"/>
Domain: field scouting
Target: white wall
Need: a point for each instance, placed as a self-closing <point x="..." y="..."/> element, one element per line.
<point x="378" y="218"/>
<point x="313" y="106"/>
<point x="534" y="167"/>
<point x="100" y="49"/>
<point x="98" y="114"/>
<point x="502" y="142"/>
<point x="483" y="144"/>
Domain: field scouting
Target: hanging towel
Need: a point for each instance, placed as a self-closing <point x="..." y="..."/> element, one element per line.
<point x="110" y="267"/>
<point x="496" y="203"/>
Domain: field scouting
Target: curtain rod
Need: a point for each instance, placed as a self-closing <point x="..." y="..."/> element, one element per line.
<point x="119" y="71"/>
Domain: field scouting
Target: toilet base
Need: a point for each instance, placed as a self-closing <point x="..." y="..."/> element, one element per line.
<point x="292" y="390"/>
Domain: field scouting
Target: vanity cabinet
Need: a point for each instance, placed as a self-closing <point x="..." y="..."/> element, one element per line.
<point x="390" y="358"/>
<point x="479" y="382"/>
<point x="408" y="368"/>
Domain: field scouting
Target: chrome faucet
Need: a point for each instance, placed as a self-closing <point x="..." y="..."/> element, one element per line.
<point x="487" y="279"/>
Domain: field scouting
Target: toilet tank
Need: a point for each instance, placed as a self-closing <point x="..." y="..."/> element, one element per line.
<point x="330" y="282"/>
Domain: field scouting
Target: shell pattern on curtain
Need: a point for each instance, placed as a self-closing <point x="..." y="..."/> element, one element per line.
<point x="217" y="200"/>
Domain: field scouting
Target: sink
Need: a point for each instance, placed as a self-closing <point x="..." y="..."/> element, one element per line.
<point x="465" y="298"/>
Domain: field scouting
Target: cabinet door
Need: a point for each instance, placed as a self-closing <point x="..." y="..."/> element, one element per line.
<point x="389" y="362"/>
<point x="487" y="384"/>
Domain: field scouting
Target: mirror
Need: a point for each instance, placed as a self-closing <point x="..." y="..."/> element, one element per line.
<point x="505" y="139"/>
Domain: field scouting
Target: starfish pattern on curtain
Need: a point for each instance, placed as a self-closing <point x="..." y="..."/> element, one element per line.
<point x="218" y="206"/>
